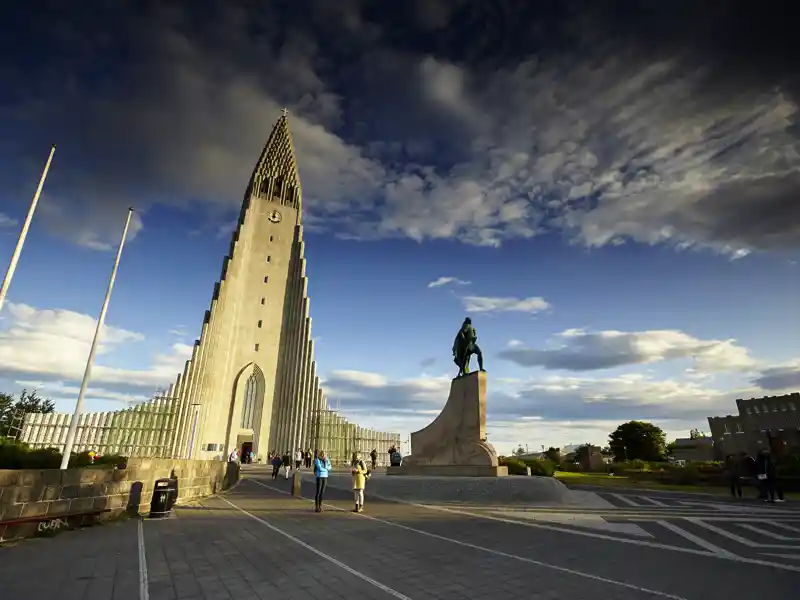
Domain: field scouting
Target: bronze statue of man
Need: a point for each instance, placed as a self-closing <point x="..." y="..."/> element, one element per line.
<point x="464" y="346"/>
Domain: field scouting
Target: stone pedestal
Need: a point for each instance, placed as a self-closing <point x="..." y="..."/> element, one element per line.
<point x="454" y="444"/>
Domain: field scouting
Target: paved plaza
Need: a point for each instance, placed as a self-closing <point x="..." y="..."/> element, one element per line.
<point x="259" y="542"/>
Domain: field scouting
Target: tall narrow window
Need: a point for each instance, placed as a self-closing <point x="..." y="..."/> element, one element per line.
<point x="270" y="238"/>
<point x="256" y="348"/>
<point x="263" y="300"/>
<point x="259" y="323"/>
<point x="269" y="258"/>
<point x="251" y="401"/>
<point x="266" y="279"/>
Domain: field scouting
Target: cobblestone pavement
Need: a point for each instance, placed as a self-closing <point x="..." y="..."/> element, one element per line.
<point x="258" y="542"/>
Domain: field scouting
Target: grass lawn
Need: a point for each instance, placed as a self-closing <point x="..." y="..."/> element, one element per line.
<point x="601" y="479"/>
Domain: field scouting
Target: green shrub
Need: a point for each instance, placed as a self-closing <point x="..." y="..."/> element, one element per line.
<point x="541" y="467"/>
<point x="570" y="467"/>
<point x="15" y="455"/>
<point x="789" y="466"/>
<point x="515" y="466"/>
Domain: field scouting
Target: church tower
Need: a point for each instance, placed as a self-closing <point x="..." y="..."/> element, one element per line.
<point x="251" y="383"/>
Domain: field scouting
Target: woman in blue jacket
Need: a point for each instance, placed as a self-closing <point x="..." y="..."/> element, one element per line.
<point x="322" y="465"/>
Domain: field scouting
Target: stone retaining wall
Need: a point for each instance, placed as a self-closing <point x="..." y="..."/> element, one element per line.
<point x="61" y="495"/>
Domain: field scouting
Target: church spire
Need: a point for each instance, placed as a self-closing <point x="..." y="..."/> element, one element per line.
<point x="275" y="175"/>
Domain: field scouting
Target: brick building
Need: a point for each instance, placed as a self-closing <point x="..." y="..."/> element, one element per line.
<point x="770" y="422"/>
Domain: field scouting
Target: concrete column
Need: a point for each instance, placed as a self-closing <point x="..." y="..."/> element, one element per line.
<point x="291" y="320"/>
<point x="306" y="408"/>
<point x="188" y="385"/>
<point x="182" y="404"/>
<point x="290" y="326"/>
<point x="294" y="415"/>
<point x="296" y="362"/>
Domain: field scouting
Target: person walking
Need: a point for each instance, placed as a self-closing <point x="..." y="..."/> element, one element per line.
<point x="767" y="475"/>
<point x="374" y="458"/>
<point x="276" y="465"/>
<point x="298" y="459"/>
<point x="308" y="458"/>
<point x="286" y="460"/>
<point x="360" y="476"/>
<point x="322" y="466"/>
<point x="733" y="466"/>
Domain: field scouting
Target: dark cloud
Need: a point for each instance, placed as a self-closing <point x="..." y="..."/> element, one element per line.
<point x="427" y="362"/>
<point x="578" y="350"/>
<point x="547" y="399"/>
<point x="659" y="123"/>
<point x="779" y="378"/>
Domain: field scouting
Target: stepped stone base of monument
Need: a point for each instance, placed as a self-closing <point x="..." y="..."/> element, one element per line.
<point x="466" y="491"/>
<point x="448" y="471"/>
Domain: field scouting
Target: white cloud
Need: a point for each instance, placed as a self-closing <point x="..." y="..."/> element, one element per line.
<point x="515" y="343"/>
<point x="485" y="304"/>
<point x="579" y="350"/>
<point x="553" y="410"/>
<point x="441" y="281"/>
<point x="6" y="221"/>
<point x="64" y="394"/>
<point x="55" y="344"/>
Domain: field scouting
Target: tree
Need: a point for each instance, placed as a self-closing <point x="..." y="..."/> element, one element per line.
<point x="637" y="440"/>
<point x="696" y="434"/>
<point x="519" y="451"/>
<point x="553" y="454"/>
<point x="26" y="403"/>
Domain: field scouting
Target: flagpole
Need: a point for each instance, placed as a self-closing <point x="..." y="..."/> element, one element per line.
<point x="73" y="424"/>
<point x="24" y="233"/>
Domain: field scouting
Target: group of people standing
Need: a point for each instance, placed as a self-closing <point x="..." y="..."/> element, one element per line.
<point x="300" y="457"/>
<point x="358" y="470"/>
<point x="322" y="467"/>
<point x="762" y="468"/>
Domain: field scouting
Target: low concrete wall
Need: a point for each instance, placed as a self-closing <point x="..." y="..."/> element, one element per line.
<point x="64" y="497"/>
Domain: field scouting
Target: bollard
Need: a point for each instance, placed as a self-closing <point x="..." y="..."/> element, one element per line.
<point x="297" y="481"/>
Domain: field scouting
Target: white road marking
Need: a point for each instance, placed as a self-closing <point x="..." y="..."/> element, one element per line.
<point x="735" y="537"/>
<point x="723" y="507"/>
<point x="624" y="499"/>
<point x="735" y="558"/>
<point x="784" y="526"/>
<point x="590" y="521"/>
<point x="790" y="556"/>
<point x="629" y="586"/>
<point x="772" y="534"/>
<point x="696" y="540"/>
<point x="320" y="553"/>
<point x="144" y="589"/>
<point x="652" y="501"/>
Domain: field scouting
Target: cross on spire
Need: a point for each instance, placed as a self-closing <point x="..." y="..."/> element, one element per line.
<point x="285" y="111"/>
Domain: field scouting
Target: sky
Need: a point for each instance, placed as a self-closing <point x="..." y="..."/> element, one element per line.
<point x="610" y="195"/>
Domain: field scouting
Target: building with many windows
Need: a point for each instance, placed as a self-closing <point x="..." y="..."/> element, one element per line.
<point x="770" y="422"/>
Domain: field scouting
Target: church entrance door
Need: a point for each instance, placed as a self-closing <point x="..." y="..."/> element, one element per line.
<point x="247" y="448"/>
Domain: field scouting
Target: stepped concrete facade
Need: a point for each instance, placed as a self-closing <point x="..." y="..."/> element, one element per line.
<point x="251" y="383"/>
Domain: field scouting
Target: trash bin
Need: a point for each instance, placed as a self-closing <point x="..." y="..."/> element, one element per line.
<point x="161" y="503"/>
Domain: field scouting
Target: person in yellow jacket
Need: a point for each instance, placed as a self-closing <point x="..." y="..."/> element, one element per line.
<point x="360" y="476"/>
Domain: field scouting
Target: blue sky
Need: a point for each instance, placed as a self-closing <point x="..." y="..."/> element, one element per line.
<point x="617" y="214"/>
